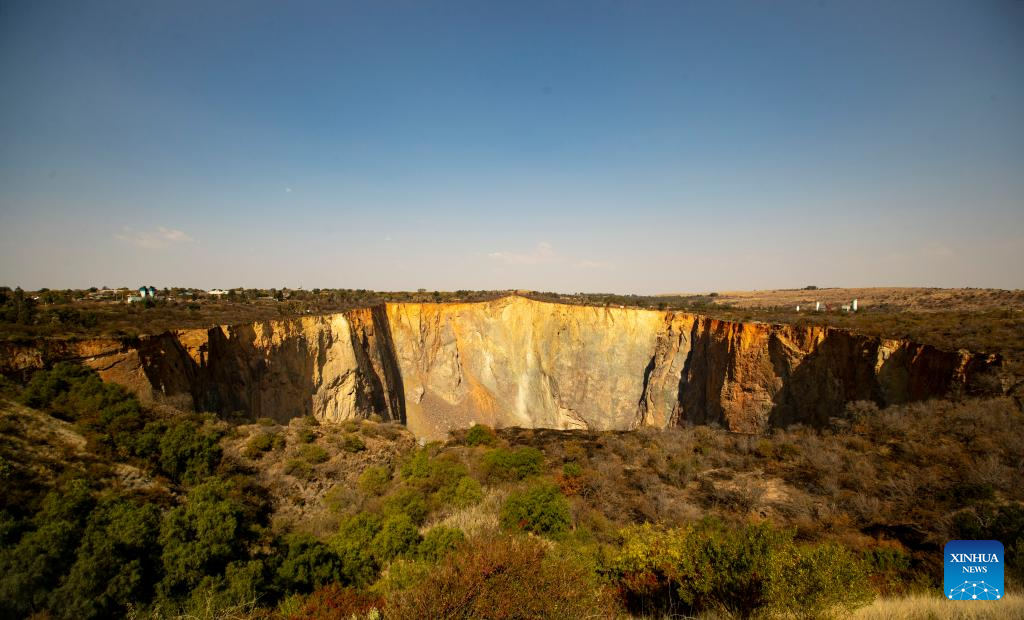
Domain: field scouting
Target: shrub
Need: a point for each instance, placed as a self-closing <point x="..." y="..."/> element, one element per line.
<point x="480" y="435"/>
<point x="990" y="522"/>
<point x="463" y="493"/>
<point x="305" y="435"/>
<point x="201" y="537"/>
<point x="501" y="464"/>
<point x="266" y="422"/>
<point x="9" y="389"/>
<point x="261" y="443"/>
<point x="439" y="542"/>
<point x="353" y="544"/>
<point x="314" y="454"/>
<point x="336" y="601"/>
<point x="33" y="566"/>
<point x="307" y="564"/>
<point x="408" y="502"/>
<point x="115" y="564"/>
<point x="398" y="536"/>
<point x="110" y="416"/>
<point x="819" y="578"/>
<point x="572" y="470"/>
<point x="889" y="569"/>
<point x="432" y="474"/>
<point x="573" y="479"/>
<point x="541" y="509"/>
<point x="374" y="480"/>
<point x="748" y="570"/>
<point x="187" y="454"/>
<point x="234" y="591"/>
<point x="503" y="578"/>
<point x="48" y="387"/>
<point x="299" y="468"/>
<point x="352" y="443"/>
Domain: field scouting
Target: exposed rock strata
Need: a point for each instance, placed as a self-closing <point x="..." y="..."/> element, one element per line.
<point x="517" y="362"/>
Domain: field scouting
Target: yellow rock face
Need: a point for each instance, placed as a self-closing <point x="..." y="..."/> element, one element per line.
<point x="518" y="362"/>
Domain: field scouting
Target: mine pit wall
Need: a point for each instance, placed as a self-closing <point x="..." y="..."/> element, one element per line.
<point x="333" y="367"/>
<point x="518" y="362"/>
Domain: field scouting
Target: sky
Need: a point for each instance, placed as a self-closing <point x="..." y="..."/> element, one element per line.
<point x="621" y="146"/>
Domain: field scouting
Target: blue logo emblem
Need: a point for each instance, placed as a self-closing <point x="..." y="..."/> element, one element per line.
<point x="974" y="570"/>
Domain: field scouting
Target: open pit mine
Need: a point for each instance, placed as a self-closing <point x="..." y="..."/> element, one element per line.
<point x="519" y="362"/>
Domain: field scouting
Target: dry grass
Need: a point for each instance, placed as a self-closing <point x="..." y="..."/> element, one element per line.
<point x="905" y="299"/>
<point x="476" y="520"/>
<point x="931" y="606"/>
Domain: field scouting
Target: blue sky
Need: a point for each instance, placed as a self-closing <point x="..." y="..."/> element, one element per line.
<point x="624" y="146"/>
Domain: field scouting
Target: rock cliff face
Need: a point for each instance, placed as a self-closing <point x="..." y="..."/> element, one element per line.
<point x="517" y="362"/>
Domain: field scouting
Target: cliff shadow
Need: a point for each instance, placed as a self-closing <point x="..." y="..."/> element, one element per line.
<point x="840" y="369"/>
<point x="380" y="388"/>
<point x="701" y="378"/>
<point x="169" y="369"/>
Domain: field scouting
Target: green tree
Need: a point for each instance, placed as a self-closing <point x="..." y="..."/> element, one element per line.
<point x="398" y="536"/>
<point x="32" y="567"/>
<point x="409" y="502"/>
<point x="187" y="454"/>
<point x="201" y="537"/>
<point x="354" y="545"/>
<point x="116" y="562"/>
<point x="307" y="564"/>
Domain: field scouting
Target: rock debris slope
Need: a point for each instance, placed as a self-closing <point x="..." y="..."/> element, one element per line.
<point x="519" y="362"/>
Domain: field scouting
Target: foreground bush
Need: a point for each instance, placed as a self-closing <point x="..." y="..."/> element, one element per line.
<point x="749" y="570"/>
<point x="335" y="601"/>
<point x="504" y="577"/>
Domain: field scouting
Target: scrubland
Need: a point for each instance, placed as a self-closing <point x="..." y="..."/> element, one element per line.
<point x="112" y="507"/>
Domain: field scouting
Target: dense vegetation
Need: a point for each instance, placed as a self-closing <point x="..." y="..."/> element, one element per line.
<point x="159" y="513"/>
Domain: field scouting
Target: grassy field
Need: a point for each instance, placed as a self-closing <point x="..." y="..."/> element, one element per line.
<point x="934" y="607"/>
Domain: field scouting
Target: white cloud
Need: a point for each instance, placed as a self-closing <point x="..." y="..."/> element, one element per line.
<point x="152" y="240"/>
<point x="542" y="254"/>
<point x="545" y="254"/>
